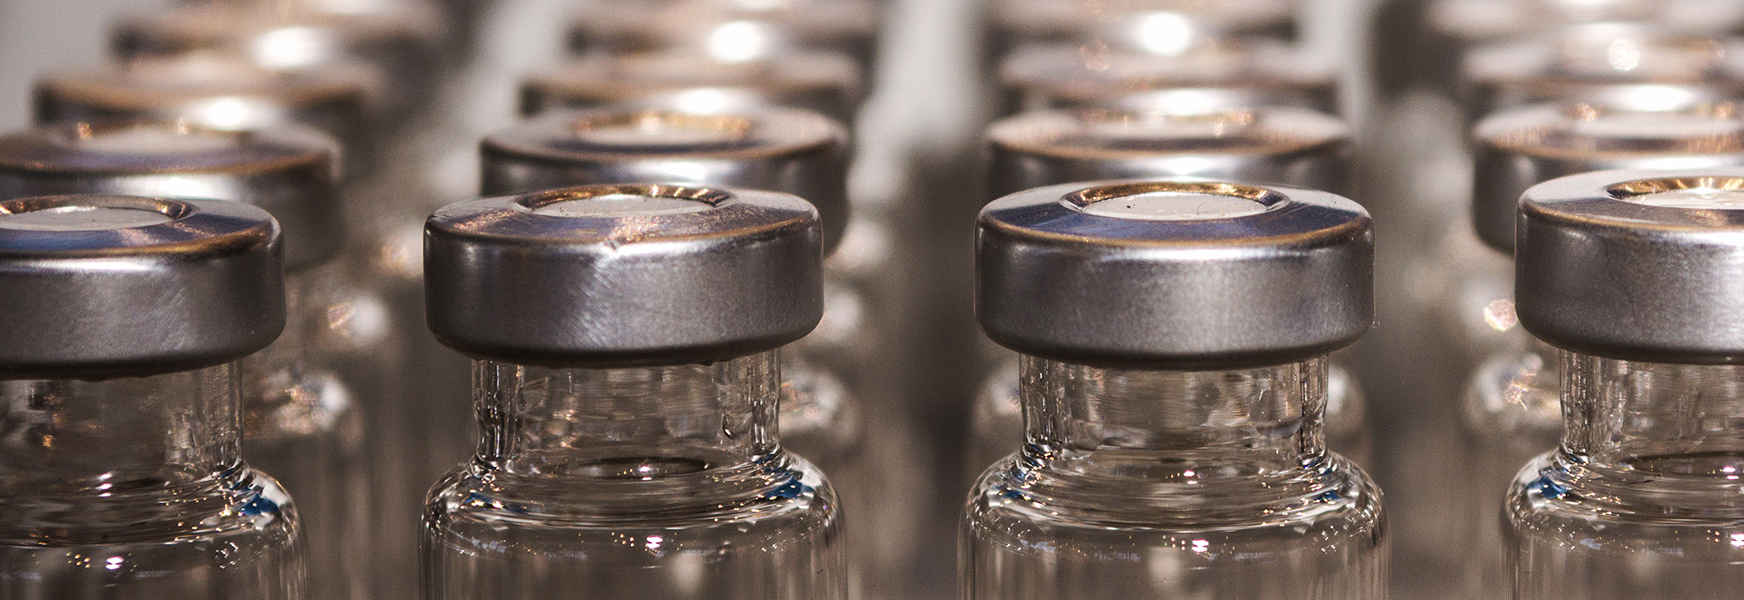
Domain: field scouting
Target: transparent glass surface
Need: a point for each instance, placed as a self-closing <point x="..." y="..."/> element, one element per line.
<point x="134" y="488"/>
<point x="302" y="420"/>
<point x="1643" y="498"/>
<point x="996" y="423"/>
<point x="1510" y="415"/>
<point x="1173" y="484"/>
<point x="658" y="482"/>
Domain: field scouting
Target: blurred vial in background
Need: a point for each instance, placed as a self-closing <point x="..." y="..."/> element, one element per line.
<point x="1510" y="412"/>
<point x="729" y="30"/>
<point x="826" y="82"/>
<point x="1174" y="444"/>
<point x="1163" y="27"/>
<point x="629" y="441"/>
<point x="1625" y="65"/>
<point x="1633" y="276"/>
<point x="121" y="473"/>
<point x="1205" y="77"/>
<point x="301" y="397"/>
<point x="1293" y="146"/>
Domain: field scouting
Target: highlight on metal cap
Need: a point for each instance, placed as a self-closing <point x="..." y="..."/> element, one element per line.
<point x="400" y="43"/>
<point x="1480" y="21"/>
<point x="98" y="286"/>
<point x="1616" y="64"/>
<point x="1518" y="148"/>
<point x="1635" y="264"/>
<point x="618" y="275"/>
<point x="1275" y="144"/>
<point x="826" y="82"/>
<point x="1206" y="78"/>
<point x="1162" y="26"/>
<point x="211" y="89"/>
<point x="1179" y="273"/>
<point x="290" y="172"/>
<point x="779" y="149"/>
<point x="731" y="30"/>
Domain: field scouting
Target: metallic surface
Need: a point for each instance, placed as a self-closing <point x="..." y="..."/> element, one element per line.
<point x="290" y="172"/>
<point x="1617" y="64"/>
<point x="210" y="89"/>
<point x="108" y="286"/>
<point x="732" y="30"/>
<point x="1479" y="21"/>
<point x="399" y="42"/>
<point x="1518" y="148"/>
<point x="1283" y="145"/>
<point x="778" y="149"/>
<point x="1143" y="25"/>
<point x="1234" y="74"/>
<point x="826" y="82"/>
<point x="626" y="275"/>
<point x="1268" y="275"/>
<point x="1635" y="264"/>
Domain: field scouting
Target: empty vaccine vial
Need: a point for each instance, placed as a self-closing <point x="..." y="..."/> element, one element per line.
<point x="1174" y="445"/>
<point x="1625" y="65"/>
<point x="1510" y="412"/>
<point x="628" y="443"/>
<point x="121" y="469"/>
<point x="822" y="81"/>
<point x="301" y="397"/>
<point x="729" y="30"/>
<point x="1294" y="146"/>
<point x="1227" y="74"/>
<point x="1634" y="276"/>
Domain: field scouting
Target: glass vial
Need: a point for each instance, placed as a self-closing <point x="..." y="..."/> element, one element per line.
<point x="826" y="82"/>
<point x="1633" y="276"/>
<point x="1625" y="65"/>
<point x="1173" y="387"/>
<point x="628" y="442"/>
<point x="301" y="396"/>
<point x="729" y="30"/>
<point x="1294" y="146"/>
<point x="1231" y="73"/>
<point x="120" y="423"/>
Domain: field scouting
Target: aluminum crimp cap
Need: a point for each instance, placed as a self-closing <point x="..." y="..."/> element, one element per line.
<point x="1520" y="147"/>
<point x="1635" y="264"/>
<point x="1615" y="64"/>
<point x="731" y="30"/>
<point x="1290" y="146"/>
<point x="1178" y="273"/>
<point x="1148" y="25"/>
<point x="778" y="149"/>
<point x="826" y="82"/>
<point x="210" y="89"/>
<point x="1208" y="77"/>
<point x="289" y="171"/>
<point x="623" y="275"/>
<point x="98" y="286"/>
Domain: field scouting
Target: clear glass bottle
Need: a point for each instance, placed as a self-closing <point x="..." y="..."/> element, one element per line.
<point x="1633" y="276"/>
<point x="629" y="435"/>
<point x="121" y="471"/>
<point x="1509" y="412"/>
<point x="301" y="396"/>
<point x="1167" y="453"/>
<point x="1289" y="145"/>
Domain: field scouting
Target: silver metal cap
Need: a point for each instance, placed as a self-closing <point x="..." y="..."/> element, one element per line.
<point x="400" y="43"/>
<point x="731" y="30"/>
<point x="615" y="275"/>
<point x="1635" y="265"/>
<point x="1480" y="21"/>
<point x="1202" y="79"/>
<point x="826" y="82"/>
<point x="779" y="149"/>
<point x="1521" y="147"/>
<point x="1284" y="145"/>
<point x="289" y="172"/>
<point x="214" y="90"/>
<point x="1161" y="26"/>
<point x="1178" y="273"/>
<point x="109" y="286"/>
<point x="1614" y="64"/>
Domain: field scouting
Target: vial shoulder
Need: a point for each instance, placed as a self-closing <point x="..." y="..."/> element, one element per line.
<point x="1555" y="502"/>
<point x="239" y="506"/>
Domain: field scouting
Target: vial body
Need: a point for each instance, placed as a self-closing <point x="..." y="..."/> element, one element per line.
<point x="132" y="488"/>
<point x="1173" y="484"/>
<point x="632" y="483"/>
<point x="1640" y="500"/>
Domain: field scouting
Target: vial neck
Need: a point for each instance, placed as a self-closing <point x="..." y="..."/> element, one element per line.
<point x="1173" y="426"/>
<point x="632" y="424"/>
<point x="1664" y="421"/>
<point x="117" y="436"/>
<point x="284" y="389"/>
